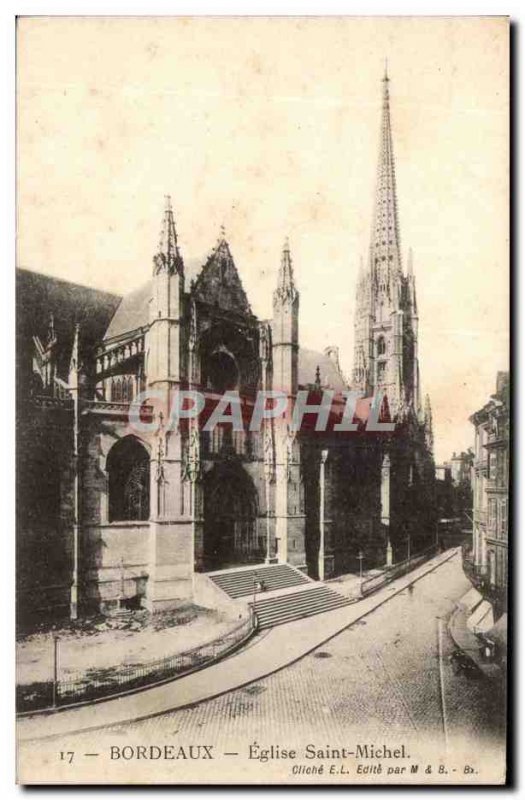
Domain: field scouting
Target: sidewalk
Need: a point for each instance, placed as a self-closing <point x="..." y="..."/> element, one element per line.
<point x="465" y="640"/>
<point x="350" y="584"/>
<point x="270" y="651"/>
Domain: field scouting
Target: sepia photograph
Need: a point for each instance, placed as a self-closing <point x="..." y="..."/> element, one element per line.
<point x="262" y="400"/>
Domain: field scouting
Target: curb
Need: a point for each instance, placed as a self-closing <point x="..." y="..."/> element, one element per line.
<point x="49" y="710"/>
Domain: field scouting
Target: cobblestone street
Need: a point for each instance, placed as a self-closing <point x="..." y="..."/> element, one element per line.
<point x="381" y="673"/>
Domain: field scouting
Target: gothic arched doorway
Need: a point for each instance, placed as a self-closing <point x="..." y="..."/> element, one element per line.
<point x="230" y="519"/>
<point x="128" y="466"/>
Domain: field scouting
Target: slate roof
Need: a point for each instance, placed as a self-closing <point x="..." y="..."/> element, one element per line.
<point x="38" y="296"/>
<point x="330" y="376"/>
<point x="133" y="310"/>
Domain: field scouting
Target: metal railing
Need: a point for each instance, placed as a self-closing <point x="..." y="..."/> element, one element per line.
<point x="376" y="581"/>
<point x="103" y="683"/>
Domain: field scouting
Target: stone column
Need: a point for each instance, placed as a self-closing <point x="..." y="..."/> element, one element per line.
<point x="385" y="506"/>
<point x="324" y="457"/>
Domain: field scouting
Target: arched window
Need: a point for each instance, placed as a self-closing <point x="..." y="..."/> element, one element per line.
<point x="222" y="372"/>
<point x="381" y="346"/>
<point x="128" y="473"/>
<point x="127" y="390"/>
<point x="116" y="390"/>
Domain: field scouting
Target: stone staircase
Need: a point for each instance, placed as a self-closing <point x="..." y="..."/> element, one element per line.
<point x="240" y="582"/>
<point x="288" y="607"/>
<point x="282" y="600"/>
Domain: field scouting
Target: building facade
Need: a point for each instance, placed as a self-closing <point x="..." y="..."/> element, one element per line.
<point x="491" y="495"/>
<point x="454" y="499"/>
<point x="135" y="512"/>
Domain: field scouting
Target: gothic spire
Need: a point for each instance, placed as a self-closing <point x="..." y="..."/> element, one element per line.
<point x="385" y="253"/>
<point x="429" y="432"/>
<point x="168" y="259"/>
<point x="285" y="283"/>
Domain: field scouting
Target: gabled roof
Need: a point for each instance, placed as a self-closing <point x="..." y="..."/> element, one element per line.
<point x="219" y="283"/>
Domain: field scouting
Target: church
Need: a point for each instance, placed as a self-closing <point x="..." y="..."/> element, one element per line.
<point x="110" y="516"/>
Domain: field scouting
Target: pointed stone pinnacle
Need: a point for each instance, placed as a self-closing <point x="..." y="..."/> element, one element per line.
<point x="51" y="335"/>
<point x="285" y="282"/>
<point x="168" y="257"/>
<point x="410" y="262"/>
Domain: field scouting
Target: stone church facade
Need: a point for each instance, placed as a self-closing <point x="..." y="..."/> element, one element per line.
<point x="112" y="515"/>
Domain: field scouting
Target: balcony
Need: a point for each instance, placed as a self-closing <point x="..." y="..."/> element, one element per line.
<point x="481" y="466"/>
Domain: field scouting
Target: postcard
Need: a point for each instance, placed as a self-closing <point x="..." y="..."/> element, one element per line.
<point x="262" y="316"/>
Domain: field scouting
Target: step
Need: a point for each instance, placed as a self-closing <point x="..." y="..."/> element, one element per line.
<point x="267" y="573"/>
<point x="240" y="582"/>
<point x="305" y="595"/>
<point x="274" y="613"/>
<point x="240" y="591"/>
<point x="297" y="605"/>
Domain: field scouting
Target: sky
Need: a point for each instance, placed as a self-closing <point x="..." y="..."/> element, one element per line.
<point x="270" y="127"/>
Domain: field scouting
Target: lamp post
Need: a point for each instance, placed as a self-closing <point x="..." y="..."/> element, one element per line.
<point x="194" y="451"/>
<point x="268" y="454"/>
<point x="268" y="477"/>
<point x="360" y="557"/>
<point x="74" y="388"/>
<point x="193" y="472"/>
<point x="255" y="586"/>
<point x="408" y="546"/>
<point x="385" y="506"/>
<point x="324" y="456"/>
<point x="55" y="670"/>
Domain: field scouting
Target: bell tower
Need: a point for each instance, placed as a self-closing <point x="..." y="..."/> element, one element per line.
<point x="385" y="343"/>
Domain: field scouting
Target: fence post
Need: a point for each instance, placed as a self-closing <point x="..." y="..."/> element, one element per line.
<point x="55" y="670"/>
